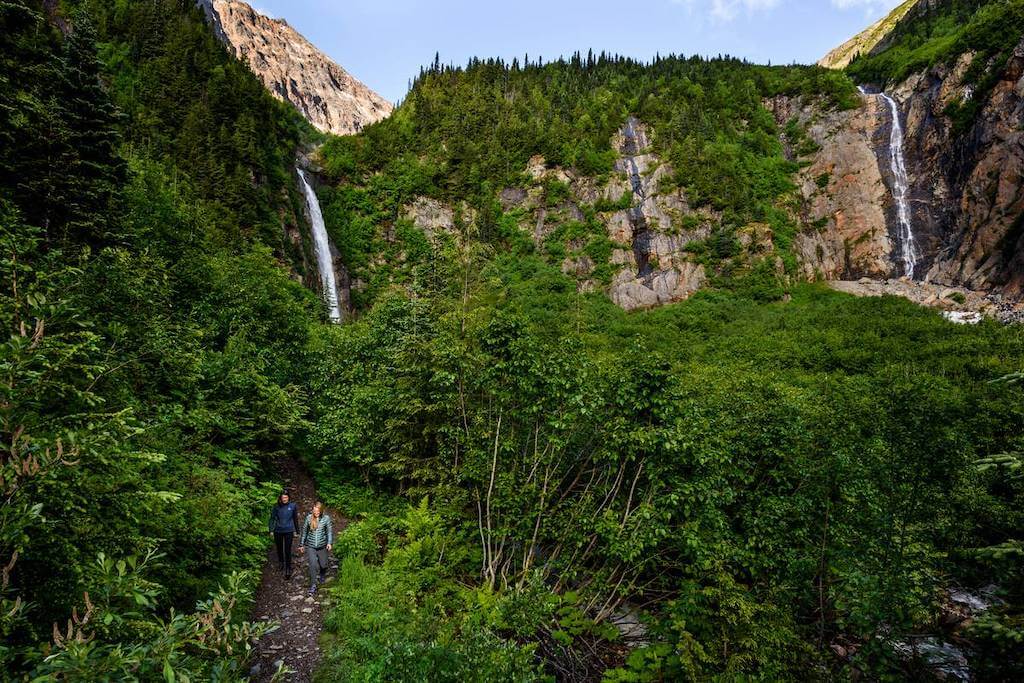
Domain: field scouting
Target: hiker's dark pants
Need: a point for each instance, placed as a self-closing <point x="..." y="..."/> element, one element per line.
<point x="317" y="559"/>
<point x="283" y="541"/>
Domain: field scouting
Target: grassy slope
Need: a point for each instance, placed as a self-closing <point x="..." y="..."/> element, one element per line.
<point x="865" y="41"/>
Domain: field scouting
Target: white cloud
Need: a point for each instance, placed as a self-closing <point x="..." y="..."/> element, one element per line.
<point x="727" y="10"/>
<point x="868" y="5"/>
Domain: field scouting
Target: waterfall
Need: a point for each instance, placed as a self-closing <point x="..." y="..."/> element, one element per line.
<point x="633" y="144"/>
<point x="909" y="254"/>
<point x="322" y="250"/>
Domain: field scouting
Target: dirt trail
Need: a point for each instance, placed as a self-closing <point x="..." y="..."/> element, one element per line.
<point x="300" y="617"/>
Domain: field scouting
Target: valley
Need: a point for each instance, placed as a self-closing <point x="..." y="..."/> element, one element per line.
<point x="609" y="369"/>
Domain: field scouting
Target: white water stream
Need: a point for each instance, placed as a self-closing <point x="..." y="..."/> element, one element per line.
<point x="900" y="189"/>
<point x="633" y="146"/>
<point x="909" y="254"/>
<point x="322" y="250"/>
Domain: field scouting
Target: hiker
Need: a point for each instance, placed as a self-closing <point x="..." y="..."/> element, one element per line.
<point x="315" y="541"/>
<point x="284" y="522"/>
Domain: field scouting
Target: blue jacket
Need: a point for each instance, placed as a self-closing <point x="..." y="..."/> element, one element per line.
<point x="284" y="518"/>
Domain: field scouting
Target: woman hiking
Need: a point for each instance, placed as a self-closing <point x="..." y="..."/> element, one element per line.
<point x="284" y="522"/>
<point x="315" y="541"/>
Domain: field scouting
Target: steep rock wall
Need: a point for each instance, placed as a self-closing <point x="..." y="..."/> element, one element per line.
<point x="294" y="70"/>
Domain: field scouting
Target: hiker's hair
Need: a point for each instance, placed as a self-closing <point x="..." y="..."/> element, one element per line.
<point x="314" y="516"/>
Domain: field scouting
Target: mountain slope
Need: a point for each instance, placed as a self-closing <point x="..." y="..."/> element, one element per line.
<point x="152" y="328"/>
<point x="294" y="70"/>
<point x="865" y="41"/>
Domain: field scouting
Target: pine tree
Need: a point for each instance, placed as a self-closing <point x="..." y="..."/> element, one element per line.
<point x="96" y="171"/>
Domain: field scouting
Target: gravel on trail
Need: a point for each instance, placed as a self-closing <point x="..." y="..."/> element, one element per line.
<point x="295" y="643"/>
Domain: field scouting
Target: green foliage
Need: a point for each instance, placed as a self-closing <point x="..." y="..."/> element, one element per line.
<point x="404" y="617"/>
<point x="152" y="361"/>
<point x="717" y="627"/>
<point x="463" y="135"/>
<point x="939" y="33"/>
<point x="756" y="479"/>
<point x="775" y="476"/>
<point x="119" y="631"/>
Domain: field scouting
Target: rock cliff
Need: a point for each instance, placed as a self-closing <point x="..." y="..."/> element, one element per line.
<point x="965" y="187"/>
<point x="846" y="205"/>
<point x="294" y="70"/>
<point x="971" y="184"/>
<point x="964" y="183"/>
<point x="867" y="40"/>
<point x="625" y="234"/>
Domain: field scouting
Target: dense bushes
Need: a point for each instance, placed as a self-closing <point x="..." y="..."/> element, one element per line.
<point x="756" y="482"/>
<point x="405" y="616"/>
<point x="769" y="479"/>
<point x="152" y="357"/>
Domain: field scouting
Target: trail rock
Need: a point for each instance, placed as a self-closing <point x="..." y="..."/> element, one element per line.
<point x="971" y="308"/>
<point x="285" y="601"/>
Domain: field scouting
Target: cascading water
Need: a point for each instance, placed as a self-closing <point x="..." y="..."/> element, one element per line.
<point x="901" y="188"/>
<point x="909" y="254"/>
<point x="632" y="146"/>
<point x="322" y="250"/>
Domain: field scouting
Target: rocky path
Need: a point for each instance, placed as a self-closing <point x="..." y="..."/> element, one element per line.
<point x="295" y="643"/>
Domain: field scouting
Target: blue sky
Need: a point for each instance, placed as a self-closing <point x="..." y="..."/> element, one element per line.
<point x="384" y="42"/>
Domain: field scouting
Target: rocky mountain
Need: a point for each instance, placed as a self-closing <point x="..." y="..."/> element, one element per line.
<point x="294" y="70"/>
<point x="867" y="40"/>
<point x="650" y="232"/>
<point x="964" y="176"/>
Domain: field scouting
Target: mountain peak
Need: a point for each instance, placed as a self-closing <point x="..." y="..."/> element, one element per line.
<point x="865" y="41"/>
<point x="294" y="70"/>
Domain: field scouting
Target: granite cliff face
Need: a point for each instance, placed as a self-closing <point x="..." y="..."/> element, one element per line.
<point x="845" y="197"/>
<point x="626" y="235"/>
<point x="294" y="70"/>
<point x="970" y="186"/>
<point x="965" y="187"/>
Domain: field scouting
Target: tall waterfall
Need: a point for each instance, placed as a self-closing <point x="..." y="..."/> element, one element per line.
<point x="909" y="254"/>
<point x="322" y="250"/>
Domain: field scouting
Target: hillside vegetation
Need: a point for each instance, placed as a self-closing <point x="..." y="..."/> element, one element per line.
<point x="763" y="485"/>
<point x="465" y="134"/>
<point x="938" y="33"/>
<point x="152" y="357"/>
<point x="767" y="481"/>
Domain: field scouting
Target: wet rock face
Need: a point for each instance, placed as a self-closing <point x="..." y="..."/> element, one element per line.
<point x="981" y="244"/>
<point x="965" y="188"/>
<point x="846" y="200"/>
<point x="654" y="267"/>
<point x="294" y="70"/>
<point x="648" y="225"/>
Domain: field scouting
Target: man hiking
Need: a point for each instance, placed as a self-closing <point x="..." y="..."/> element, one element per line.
<point x="315" y="541"/>
<point x="284" y="522"/>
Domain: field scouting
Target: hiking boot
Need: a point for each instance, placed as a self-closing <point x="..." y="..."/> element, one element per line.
<point x="312" y="591"/>
<point x="288" y="573"/>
